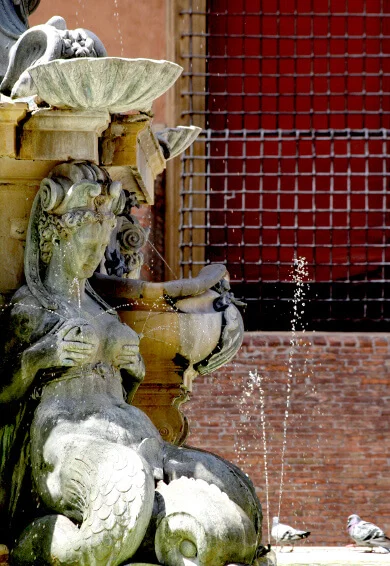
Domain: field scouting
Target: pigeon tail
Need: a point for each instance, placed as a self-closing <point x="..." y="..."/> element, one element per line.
<point x="382" y="542"/>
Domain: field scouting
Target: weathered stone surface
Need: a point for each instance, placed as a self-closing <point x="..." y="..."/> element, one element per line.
<point x="199" y="524"/>
<point x="172" y="342"/>
<point x="10" y="116"/>
<point x="132" y="155"/>
<point x="180" y="329"/>
<point x="13" y="22"/>
<point x="41" y="44"/>
<point x="190" y="336"/>
<point x="14" y="213"/>
<point x="44" y="138"/>
<point x="62" y="135"/>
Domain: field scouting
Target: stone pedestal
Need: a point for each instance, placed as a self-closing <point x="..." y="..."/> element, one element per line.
<point x="171" y="343"/>
<point x="163" y="389"/>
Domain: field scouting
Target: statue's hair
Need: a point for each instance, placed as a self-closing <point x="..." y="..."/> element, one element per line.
<point x="54" y="228"/>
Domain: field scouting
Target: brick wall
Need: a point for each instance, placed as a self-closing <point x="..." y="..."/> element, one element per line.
<point x="337" y="458"/>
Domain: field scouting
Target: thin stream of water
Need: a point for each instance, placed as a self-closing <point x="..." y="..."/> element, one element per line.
<point x="116" y="15"/>
<point x="82" y="12"/>
<point x="299" y="275"/>
<point x="258" y="380"/>
<point x="162" y="258"/>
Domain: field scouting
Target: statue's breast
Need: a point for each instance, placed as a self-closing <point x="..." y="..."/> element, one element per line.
<point x="114" y="335"/>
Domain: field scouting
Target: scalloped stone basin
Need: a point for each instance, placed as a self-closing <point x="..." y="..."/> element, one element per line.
<point x="179" y="138"/>
<point x="115" y="84"/>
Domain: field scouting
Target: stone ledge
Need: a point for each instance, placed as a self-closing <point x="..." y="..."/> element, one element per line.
<point x="332" y="556"/>
<point x="62" y="135"/>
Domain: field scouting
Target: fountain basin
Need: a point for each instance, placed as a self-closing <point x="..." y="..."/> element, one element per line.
<point x="179" y="327"/>
<point x="128" y="85"/>
<point x="171" y="343"/>
<point x="174" y="339"/>
<point x="179" y="139"/>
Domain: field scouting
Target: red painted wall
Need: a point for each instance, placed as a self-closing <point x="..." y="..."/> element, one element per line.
<point x="303" y="69"/>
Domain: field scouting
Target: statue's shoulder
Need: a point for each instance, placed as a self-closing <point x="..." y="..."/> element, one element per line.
<point x="24" y="302"/>
<point x="23" y="293"/>
<point x="29" y="320"/>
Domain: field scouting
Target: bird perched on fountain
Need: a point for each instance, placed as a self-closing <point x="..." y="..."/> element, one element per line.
<point x="284" y="534"/>
<point x="367" y="534"/>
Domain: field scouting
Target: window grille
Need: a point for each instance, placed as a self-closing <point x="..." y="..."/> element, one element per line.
<point x="293" y="158"/>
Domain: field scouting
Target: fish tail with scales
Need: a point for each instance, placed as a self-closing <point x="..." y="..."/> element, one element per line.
<point x="106" y="503"/>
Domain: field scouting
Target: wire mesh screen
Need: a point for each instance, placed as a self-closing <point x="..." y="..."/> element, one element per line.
<point x="293" y="158"/>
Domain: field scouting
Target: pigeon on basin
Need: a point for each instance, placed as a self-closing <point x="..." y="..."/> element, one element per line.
<point x="284" y="534"/>
<point x="367" y="534"/>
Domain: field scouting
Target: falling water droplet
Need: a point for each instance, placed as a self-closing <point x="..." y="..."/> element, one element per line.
<point x="116" y="15"/>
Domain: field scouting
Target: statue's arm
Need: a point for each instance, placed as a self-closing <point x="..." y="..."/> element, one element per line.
<point x="39" y="339"/>
<point x="18" y="373"/>
<point x="121" y="288"/>
<point x="26" y="348"/>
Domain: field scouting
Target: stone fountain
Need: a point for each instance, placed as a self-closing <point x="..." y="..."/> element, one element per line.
<point x="93" y="467"/>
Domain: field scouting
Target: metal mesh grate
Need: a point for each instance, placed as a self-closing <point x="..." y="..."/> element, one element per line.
<point x="293" y="158"/>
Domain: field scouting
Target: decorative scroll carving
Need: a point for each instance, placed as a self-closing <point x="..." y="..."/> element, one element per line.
<point x="124" y="257"/>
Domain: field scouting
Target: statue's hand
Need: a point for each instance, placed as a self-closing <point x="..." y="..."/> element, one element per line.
<point x="74" y="343"/>
<point x="129" y="359"/>
<point x="77" y="343"/>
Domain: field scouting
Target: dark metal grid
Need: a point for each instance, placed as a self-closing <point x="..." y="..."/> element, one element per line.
<point x="284" y="183"/>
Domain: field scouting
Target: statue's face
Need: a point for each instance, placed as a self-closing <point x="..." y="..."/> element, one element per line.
<point x="84" y="249"/>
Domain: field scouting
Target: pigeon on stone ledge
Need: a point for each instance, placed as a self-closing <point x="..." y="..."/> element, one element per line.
<point x="283" y="534"/>
<point x="367" y="534"/>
